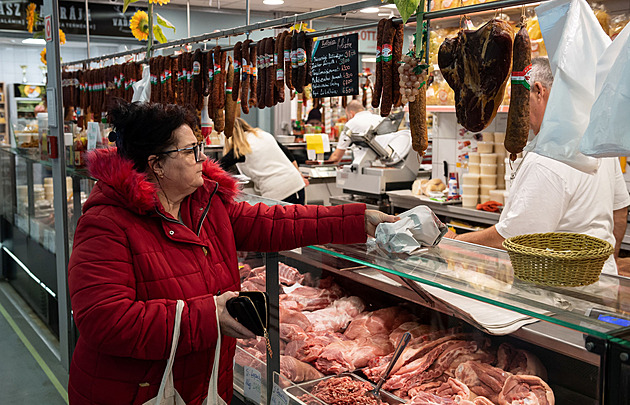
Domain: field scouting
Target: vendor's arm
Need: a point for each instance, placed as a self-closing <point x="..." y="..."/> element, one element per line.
<point x="336" y="156"/>
<point x="102" y="285"/>
<point x="487" y="237"/>
<point x="620" y="222"/>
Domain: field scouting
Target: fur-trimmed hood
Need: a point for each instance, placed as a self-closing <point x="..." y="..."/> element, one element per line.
<point x="120" y="184"/>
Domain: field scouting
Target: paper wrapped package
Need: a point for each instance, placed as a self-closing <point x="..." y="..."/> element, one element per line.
<point x="417" y="227"/>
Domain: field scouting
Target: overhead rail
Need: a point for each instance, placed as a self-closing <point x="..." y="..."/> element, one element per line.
<point x="311" y="15"/>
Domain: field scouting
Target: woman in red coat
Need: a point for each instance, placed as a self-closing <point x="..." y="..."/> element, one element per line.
<point x="161" y="225"/>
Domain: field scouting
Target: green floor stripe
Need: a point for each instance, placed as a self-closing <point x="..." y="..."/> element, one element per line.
<point x="36" y="356"/>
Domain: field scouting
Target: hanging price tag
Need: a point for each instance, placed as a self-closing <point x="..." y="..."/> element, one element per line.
<point x="278" y="396"/>
<point x="253" y="386"/>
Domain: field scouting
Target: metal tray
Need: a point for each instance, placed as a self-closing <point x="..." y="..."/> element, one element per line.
<point x="297" y="390"/>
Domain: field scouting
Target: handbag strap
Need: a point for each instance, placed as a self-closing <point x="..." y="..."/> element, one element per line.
<point x="167" y="377"/>
<point x="213" y="397"/>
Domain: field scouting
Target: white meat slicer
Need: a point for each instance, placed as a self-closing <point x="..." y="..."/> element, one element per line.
<point x="383" y="161"/>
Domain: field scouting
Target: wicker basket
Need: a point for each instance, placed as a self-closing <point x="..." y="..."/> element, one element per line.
<point x="558" y="258"/>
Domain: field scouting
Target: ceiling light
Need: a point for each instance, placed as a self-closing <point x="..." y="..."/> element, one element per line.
<point x="273" y="2"/>
<point x="370" y="10"/>
<point x="389" y="6"/>
<point x="34" y="41"/>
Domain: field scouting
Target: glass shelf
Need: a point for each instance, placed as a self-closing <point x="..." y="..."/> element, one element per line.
<point x="486" y="275"/>
<point x="31" y="154"/>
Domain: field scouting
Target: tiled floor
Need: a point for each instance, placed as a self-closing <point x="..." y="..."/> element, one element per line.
<point x="30" y="373"/>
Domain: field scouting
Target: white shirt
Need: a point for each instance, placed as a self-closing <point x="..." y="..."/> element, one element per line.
<point x="549" y="196"/>
<point x="360" y="123"/>
<point x="273" y="175"/>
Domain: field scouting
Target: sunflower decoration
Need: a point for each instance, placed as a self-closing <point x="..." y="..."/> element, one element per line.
<point x="160" y="2"/>
<point x="42" y="56"/>
<point x="140" y="25"/>
<point x="31" y="17"/>
<point x="62" y="37"/>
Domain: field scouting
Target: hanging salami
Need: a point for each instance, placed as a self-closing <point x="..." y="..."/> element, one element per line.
<point x="230" y="104"/>
<point x="236" y="84"/>
<point x="253" y="77"/>
<point x="378" y="82"/>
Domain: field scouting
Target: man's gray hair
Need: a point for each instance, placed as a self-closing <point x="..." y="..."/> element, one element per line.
<point x="541" y="72"/>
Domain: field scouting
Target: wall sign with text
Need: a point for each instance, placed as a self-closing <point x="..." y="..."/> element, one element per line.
<point x="335" y="66"/>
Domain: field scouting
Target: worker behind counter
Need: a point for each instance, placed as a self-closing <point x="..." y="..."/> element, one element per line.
<point x="359" y="120"/>
<point x="549" y="196"/>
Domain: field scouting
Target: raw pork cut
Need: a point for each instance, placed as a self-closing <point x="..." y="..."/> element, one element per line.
<point x="379" y="322"/>
<point x="295" y="318"/>
<point x="415" y="350"/>
<point x="482" y="379"/>
<point x="476" y="64"/>
<point x="298" y="371"/>
<point x="348" y="355"/>
<point x="308" y="350"/>
<point x="417" y="330"/>
<point x="313" y="298"/>
<point x="406" y="382"/>
<point x="517" y="361"/>
<point x="337" y="316"/>
<point x="426" y="398"/>
<point x="526" y="389"/>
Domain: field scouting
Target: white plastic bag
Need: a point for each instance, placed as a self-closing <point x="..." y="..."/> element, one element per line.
<point x="607" y="132"/>
<point x="142" y="88"/>
<point x="417" y="227"/>
<point x="575" y="41"/>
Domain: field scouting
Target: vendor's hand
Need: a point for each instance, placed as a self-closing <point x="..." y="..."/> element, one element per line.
<point x="230" y="326"/>
<point x="374" y="217"/>
<point x="450" y="235"/>
<point x="306" y="182"/>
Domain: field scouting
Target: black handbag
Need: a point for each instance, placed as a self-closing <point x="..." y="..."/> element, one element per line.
<point x="250" y="309"/>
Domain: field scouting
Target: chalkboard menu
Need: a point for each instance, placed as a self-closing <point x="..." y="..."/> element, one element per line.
<point x="335" y="66"/>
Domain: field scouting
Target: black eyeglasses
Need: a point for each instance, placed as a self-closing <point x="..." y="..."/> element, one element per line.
<point x="196" y="148"/>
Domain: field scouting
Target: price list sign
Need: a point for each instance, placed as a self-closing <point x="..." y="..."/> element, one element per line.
<point x="335" y="66"/>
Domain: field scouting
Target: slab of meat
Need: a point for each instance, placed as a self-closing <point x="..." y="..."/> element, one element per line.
<point x="413" y="355"/>
<point x="298" y="371"/>
<point x="337" y="316"/>
<point x="482" y="379"/>
<point x="480" y="356"/>
<point x="308" y="350"/>
<point x="476" y="64"/>
<point x="379" y="322"/>
<point x="290" y="332"/>
<point x="457" y="348"/>
<point x="426" y="398"/>
<point x="313" y="298"/>
<point x="256" y="283"/>
<point x="413" y="373"/>
<point x="349" y="355"/>
<point x="416" y="329"/>
<point x="518" y="361"/>
<point x="288" y="316"/>
<point x="342" y="391"/>
<point x="482" y="401"/>
<point x="526" y="389"/>
<point x="453" y="389"/>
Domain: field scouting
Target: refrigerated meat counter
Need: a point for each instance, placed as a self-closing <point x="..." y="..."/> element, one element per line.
<point x="340" y="310"/>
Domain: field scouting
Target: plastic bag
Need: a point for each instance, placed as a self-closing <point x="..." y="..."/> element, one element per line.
<point x="142" y="88"/>
<point x="575" y="41"/>
<point x="417" y="227"/>
<point x="607" y="131"/>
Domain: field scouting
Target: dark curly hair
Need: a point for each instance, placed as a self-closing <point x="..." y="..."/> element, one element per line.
<point x="145" y="129"/>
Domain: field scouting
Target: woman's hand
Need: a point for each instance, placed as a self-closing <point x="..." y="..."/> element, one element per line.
<point x="374" y="217"/>
<point x="230" y="326"/>
<point x="450" y="234"/>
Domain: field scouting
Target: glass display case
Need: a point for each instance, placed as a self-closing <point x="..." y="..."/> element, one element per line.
<point x="580" y="334"/>
<point x="28" y="226"/>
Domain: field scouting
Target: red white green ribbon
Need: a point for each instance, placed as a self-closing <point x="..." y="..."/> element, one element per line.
<point x="522" y="77"/>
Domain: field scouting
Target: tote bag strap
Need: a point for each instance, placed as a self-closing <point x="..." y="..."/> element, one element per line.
<point x="213" y="397"/>
<point x="167" y="388"/>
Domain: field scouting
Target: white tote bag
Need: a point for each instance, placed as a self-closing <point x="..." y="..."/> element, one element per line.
<point x="167" y="395"/>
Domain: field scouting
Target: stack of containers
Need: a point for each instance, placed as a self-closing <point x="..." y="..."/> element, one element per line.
<point x="488" y="166"/>
<point x="502" y="153"/>
<point x="470" y="190"/>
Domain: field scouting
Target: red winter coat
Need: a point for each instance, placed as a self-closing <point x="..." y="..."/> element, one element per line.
<point x="131" y="261"/>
